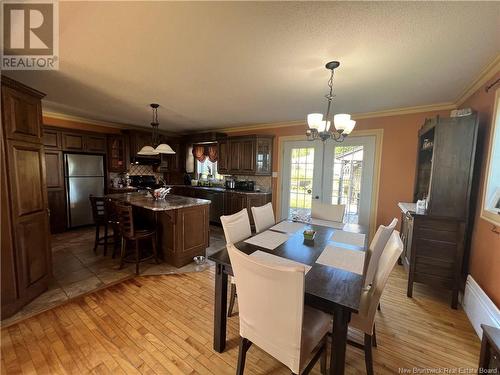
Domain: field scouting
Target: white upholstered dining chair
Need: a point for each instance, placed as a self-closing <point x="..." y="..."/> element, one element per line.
<point x="364" y="320"/>
<point x="325" y="211"/>
<point x="236" y="228"/>
<point x="263" y="217"/>
<point x="375" y="249"/>
<point x="273" y="316"/>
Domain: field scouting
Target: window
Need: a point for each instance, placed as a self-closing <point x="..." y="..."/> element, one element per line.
<point x="491" y="195"/>
<point x="206" y="168"/>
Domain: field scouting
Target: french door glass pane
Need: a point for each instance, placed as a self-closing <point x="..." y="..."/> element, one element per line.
<point x="346" y="184"/>
<point x="301" y="182"/>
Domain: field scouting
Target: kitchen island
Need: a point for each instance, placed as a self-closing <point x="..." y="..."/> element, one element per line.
<point x="182" y="224"/>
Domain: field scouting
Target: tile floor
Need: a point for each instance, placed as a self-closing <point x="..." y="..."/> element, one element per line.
<point x="78" y="270"/>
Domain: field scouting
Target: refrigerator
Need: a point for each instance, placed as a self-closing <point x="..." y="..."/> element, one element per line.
<point x="83" y="175"/>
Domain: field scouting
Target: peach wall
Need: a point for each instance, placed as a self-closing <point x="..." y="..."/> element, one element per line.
<point x="397" y="173"/>
<point x="485" y="249"/>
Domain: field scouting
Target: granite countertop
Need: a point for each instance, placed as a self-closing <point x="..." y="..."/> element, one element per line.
<point x="221" y="189"/>
<point x="171" y="202"/>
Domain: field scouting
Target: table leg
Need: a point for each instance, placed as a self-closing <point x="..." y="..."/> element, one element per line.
<point x="220" y="308"/>
<point x="341" y="318"/>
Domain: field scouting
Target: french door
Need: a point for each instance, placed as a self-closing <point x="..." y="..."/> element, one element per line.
<point x="332" y="172"/>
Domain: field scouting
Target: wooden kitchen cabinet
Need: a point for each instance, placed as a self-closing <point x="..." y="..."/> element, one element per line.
<point x="117" y="153"/>
<point x="95" y="143"/>
<point x="82" y="142"/>
<point x="52" y="139"/>
<point x="223" y="157"/>
<point x="246" y="155"/>
<point x="25" y="252"/>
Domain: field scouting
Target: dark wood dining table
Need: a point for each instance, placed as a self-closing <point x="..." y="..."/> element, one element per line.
<point x="329" y="289"/>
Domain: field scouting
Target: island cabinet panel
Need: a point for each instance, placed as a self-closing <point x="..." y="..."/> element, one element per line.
<point x="25" y="255"/>
<point x="184" y="234"/>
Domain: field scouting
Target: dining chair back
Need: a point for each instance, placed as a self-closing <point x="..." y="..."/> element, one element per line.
<point x="236" y="227"/>
<point x="263" y="217"/>
<point x="325" y="211"/>
<point x="98" y="211"/>
<point x="271" y="307"/>
<point x="375" y="249"/>
<point x="364" y="320"/>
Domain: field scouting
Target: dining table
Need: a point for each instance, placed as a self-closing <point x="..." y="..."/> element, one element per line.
<point x="332" y="289"/>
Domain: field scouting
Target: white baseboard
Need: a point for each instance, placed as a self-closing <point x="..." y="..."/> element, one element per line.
<point x="479" y="308"/>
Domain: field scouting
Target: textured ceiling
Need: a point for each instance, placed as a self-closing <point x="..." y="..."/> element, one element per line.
<point x="211" y="65"/>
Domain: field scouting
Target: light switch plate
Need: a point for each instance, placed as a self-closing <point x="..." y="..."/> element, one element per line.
<point x="275" y="174"/>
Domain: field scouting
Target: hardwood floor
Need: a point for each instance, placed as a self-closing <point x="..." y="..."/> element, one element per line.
<point x="163" y="325"/>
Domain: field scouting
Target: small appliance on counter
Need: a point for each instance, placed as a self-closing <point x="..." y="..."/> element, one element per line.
<point x="143" y="182"/>
<point x="245" y="185"/>
<point x="230" y="183"/>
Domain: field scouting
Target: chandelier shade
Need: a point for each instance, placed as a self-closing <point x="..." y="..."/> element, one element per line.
<point x="163" y="148"/>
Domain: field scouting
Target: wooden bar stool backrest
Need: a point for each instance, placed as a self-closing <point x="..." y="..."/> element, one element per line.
<point x="98" y="209"/>
<point x="110" y="210"/>
<point x="125" y="219"/>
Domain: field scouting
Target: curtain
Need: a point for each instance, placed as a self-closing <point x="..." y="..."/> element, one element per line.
<point x="199" y="153"/>
<point x="212" y="153"/>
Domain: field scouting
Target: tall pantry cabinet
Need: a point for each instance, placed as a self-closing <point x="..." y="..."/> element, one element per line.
<point x="25" y="252"/>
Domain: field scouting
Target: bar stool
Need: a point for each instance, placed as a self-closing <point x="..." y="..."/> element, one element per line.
<point x="100" y="218"/>
<point x="112" y="221"/>
<point x="129" y="233"/>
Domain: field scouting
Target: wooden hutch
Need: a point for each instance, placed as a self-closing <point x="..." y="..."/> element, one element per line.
<point x="437" y="240"/>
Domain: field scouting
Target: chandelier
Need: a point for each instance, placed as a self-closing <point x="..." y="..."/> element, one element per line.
<point x="319" y="126"/>
<point x="156" y="147"/>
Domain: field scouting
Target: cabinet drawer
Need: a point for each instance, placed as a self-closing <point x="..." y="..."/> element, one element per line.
<point x="427" y="233"/>
<point x="440" y="282"/>
<point x="435" y="249"/>
<point x="435" y="224"/>
<point x="434" y="267"/>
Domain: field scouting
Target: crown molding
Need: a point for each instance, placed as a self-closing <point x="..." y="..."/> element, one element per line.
<point x="83" y="120"/>
<point x="357" y="116"/>
<point x="484" y="76"/>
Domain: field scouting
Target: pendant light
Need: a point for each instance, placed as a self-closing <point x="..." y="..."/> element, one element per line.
<point x="156" y="148"/>
<point x="319" y="127"/>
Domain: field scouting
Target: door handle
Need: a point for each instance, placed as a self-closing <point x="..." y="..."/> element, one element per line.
<point x="316" y="197"/>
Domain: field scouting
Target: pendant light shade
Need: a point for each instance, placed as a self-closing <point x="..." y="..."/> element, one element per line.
<point x="147" y="151"/>
<point x="163" y="148"/>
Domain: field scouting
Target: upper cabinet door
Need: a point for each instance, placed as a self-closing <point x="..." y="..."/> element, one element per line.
<point x="52" y="139"/>
<point x="73" y="142"/>
<point x="247" y="156"/>
<point x="22" y="115"/>
<point x="264" y="156"/>
<point x="452" y="166"/>
<point x="223" y="151"/>
<point x="117" y="154"/>
<point x="95" y="143"/>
